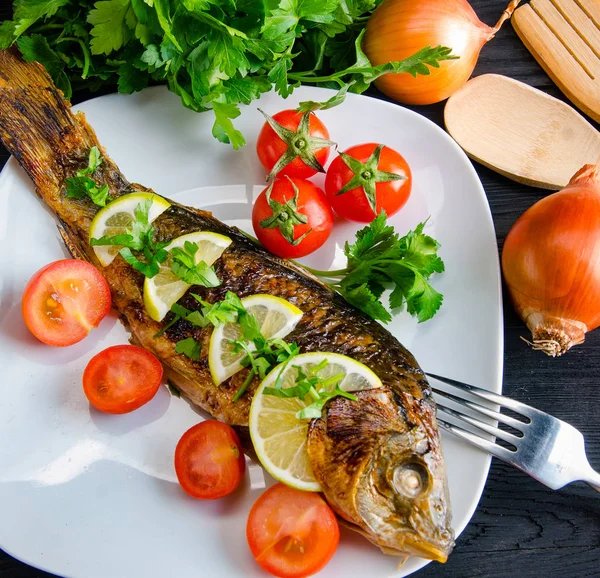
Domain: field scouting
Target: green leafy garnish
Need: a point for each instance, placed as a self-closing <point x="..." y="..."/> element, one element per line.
<point x="139" y="237"/>
<point x="312" y="388"/>
<point x="189" y="347"/>
<point x="380" y="258"/>
<point x="81" y="185"/>
<point x="214" y="54"/>
<point x="185" y="267"/>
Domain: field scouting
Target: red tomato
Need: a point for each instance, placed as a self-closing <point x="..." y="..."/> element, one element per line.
<point x="311" y="204"/>
<point x="390" y="195"/>
<point x="209" y="461"/>
<point x="64" y="300"/>
<point x="122" y="378"/>
<point x="292" y="533"/>
<point x="270" y="147"/>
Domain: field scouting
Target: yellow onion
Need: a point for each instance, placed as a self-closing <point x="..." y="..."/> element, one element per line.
<point x="551" y="264"/>
<point x="400" y="28"/>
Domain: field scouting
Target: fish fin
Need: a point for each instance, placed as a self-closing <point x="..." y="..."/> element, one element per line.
<point x="36" y="124"/>
<point x="71" y="241"/>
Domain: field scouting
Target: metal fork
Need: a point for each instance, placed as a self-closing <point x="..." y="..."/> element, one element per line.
<point x="547" y="448"/>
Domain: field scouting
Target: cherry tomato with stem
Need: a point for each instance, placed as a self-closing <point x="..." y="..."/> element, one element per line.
<point x="122" y="378"/>
<point x="209" y="461"/>
<point x="291" y="533"/>
<point x="293" y="144"/>
<point x="292" y="218"/>
<point x="64" y="300"/>
<point x="366" y="179"/>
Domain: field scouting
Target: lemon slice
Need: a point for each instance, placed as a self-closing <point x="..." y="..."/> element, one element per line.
<point x="165" y="288"/>
<point x="117" y="216"/>
<point x="278" y="436"/>
<point x="276" y="318"/>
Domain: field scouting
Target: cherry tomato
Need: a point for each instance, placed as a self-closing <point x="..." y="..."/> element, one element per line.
<point x="64" y="300"/>
<point x="292" y="533"/>
<point x="270" y="147"/>
<point x="209" y="461"/>
<point x="374" y="180"/>
<point x="122" y="378"/>
<point x="280" y="211"/>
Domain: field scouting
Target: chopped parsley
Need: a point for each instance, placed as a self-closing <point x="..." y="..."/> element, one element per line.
<point x="189" y="347"/>
<point x="185" y="267"/>
<point x="138" y="246"/>
<point x="82" y="185"/>
<point x="312" y="388"/>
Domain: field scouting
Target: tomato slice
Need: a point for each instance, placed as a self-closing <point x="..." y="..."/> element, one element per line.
<point x="64" y="300"/>
<point x="209" y="461"/>
<point x="292" y="533"/>
<point x="122" y="378"/>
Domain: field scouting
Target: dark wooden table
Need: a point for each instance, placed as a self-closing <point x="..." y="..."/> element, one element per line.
<point x="520" y="528"/>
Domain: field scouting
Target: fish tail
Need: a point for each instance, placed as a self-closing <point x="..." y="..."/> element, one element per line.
<point x="36" y="124"/>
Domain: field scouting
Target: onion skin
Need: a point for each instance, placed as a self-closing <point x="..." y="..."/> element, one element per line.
<point x="400" y="28"/>
<point x="551" y="264"/>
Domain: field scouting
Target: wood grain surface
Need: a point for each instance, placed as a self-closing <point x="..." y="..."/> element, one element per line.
<point x="521" y="528"/>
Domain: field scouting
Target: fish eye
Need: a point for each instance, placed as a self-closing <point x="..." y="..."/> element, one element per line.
<point x="410" y="479"/>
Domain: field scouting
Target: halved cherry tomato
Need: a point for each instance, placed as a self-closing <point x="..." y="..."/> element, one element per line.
<point x="305" y="145"/>
<point x="292" y="533"/>
<point x="209" y="461"/>
<point x="122" y="378"/>
<point x="381" y="177"/>
<point x="292" y="218"/>
<point x="64" y="300"/>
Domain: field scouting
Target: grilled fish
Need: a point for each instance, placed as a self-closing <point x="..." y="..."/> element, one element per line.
<point x="378" y="459"/>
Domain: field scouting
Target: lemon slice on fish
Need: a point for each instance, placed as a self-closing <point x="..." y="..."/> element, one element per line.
<point x="165" y="288"/>
<point x="117" y="216"/>
<point x="276" y="318"/>
<point x="278" y="436"/>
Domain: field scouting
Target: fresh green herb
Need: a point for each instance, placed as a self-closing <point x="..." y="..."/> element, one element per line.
<point x="215" y="54"/>
<point x="186" y="268"/>
<point x="379" y="257"/>
<point x="81" y="185"/>
<point x="222" y="312"/>
<point x="312" y="388"/>
<point x="189" y="347"/>
<point x="139" y="238"/>
<point x="285" y="216"/>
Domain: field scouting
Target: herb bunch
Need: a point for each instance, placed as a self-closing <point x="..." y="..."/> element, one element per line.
<point x="215" y="54"/>
<point x="380" y="259"/>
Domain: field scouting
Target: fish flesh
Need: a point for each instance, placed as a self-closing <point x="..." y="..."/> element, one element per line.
<point x="377" y="459"/>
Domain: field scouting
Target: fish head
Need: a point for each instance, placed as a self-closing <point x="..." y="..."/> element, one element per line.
<point x="381" y="468"/>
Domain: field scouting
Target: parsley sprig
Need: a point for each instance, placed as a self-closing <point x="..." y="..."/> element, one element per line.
<point x="379" y="259"/>
<point x="82" y="185"/>
<point x="139" y="237"/>
<point x="260" y="354"/>
<point x="312" y="388"/>
<point x="215" y="54"/>
<point x="185" y="267"/>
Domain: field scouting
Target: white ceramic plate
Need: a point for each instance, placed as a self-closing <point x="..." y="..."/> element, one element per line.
<point x="88" y="495"/>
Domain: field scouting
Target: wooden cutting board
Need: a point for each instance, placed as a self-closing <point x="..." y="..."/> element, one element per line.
<point x="521" y="132"/>
<point x="564" y="37"/>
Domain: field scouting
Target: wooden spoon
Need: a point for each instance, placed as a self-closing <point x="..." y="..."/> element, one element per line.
<point x="521" y="132"/>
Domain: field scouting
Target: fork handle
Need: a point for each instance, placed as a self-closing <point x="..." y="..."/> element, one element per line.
<point x="592" y="479"/>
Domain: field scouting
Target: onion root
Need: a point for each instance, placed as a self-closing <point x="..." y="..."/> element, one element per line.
<point x="552" y="335"/>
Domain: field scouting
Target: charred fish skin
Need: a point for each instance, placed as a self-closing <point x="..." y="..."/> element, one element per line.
<point x="378" y="459"/>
